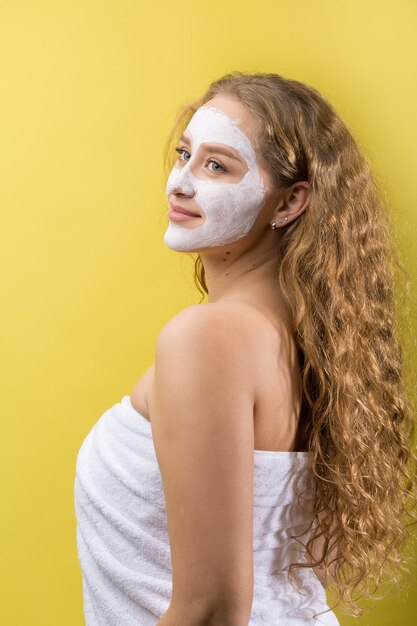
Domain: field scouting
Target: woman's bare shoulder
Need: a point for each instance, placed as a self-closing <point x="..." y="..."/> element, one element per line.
<point x="220" y="317"/>
<point x="209" y="333"/>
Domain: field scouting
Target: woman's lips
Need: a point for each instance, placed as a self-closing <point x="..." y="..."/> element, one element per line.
<point x="178" y="214"/>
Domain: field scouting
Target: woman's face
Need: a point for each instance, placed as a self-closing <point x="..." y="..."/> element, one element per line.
<point x="217" y="177"/>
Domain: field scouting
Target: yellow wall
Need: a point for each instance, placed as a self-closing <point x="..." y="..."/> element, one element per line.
<point x="88" y="91"/>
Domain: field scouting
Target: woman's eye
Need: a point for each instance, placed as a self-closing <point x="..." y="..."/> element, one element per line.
<point x="218" y="168"/>
<point x="181" y="151"/>
<point x="222" y="169"/>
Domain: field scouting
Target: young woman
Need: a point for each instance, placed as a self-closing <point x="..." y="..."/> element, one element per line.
<point x="268" y="450"/>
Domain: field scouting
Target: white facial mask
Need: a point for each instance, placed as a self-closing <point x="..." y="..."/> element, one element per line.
<point x="229" y="209"/>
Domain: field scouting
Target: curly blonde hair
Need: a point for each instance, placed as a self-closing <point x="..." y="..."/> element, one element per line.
<point x="339" y="271"/>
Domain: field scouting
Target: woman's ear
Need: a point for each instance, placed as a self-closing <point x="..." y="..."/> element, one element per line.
<point x="294" y="202"/>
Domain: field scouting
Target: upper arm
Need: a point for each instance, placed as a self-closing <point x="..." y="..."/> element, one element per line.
<point x="202" y="426"/>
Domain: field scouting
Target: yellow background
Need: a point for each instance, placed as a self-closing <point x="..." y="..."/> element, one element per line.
<point x="88" y="92"/>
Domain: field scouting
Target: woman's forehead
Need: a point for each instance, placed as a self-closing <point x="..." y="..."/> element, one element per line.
<point x="211" y="124"/>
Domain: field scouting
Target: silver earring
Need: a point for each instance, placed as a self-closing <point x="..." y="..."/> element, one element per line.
<point x="274" y="226"/>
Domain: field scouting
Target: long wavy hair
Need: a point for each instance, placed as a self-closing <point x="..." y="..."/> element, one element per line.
<point x="341" y="275"/>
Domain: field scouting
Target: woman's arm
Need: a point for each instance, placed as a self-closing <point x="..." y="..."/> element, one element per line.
<point x="201" y="404"/>
<point x="178" y="617"/>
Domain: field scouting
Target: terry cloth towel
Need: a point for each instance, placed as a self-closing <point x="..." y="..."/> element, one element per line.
<point x="122" y="538"/>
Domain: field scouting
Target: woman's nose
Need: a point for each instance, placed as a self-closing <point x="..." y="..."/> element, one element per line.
<point x="183" y="189"/>
<point x="180" y="182"/>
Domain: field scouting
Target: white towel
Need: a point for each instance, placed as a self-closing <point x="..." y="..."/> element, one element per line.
<point x="122" y="538"/>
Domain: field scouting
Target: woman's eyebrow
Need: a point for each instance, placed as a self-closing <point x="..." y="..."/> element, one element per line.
<point x="220" y="150"/>
<point x="213" y="148"/>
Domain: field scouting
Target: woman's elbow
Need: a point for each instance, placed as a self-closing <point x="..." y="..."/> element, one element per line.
<point x="215" y="616"/>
